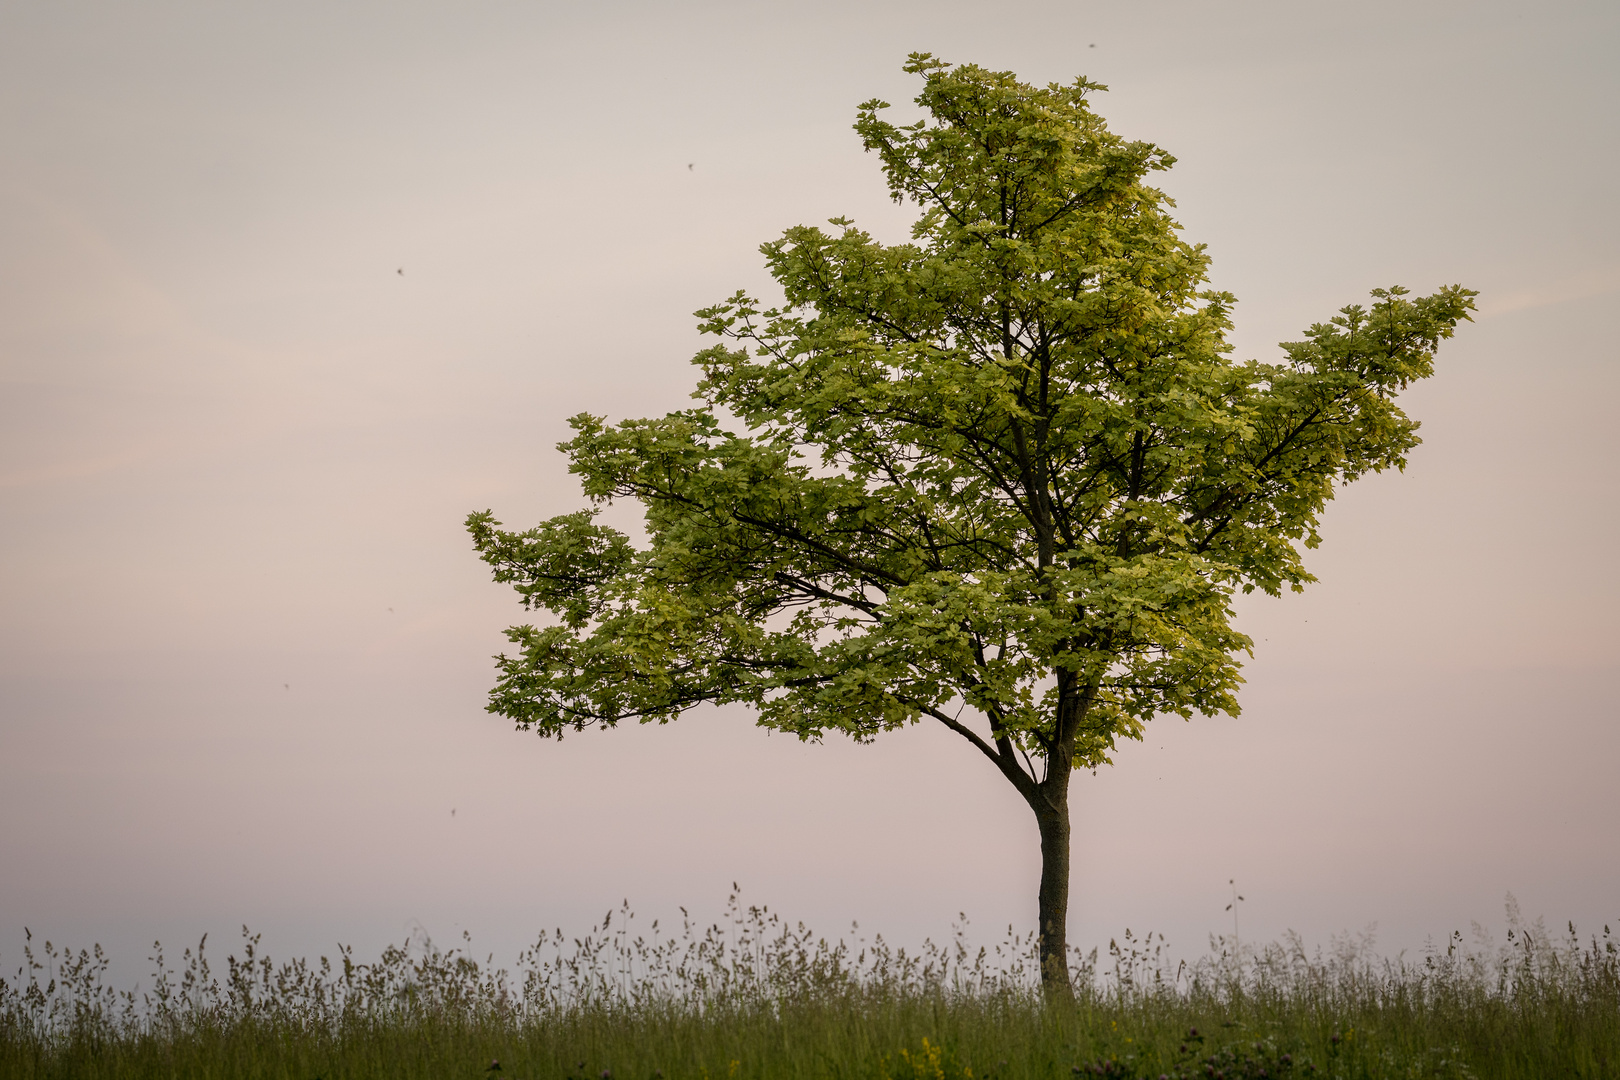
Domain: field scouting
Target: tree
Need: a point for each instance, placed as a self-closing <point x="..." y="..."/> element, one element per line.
<point x="1005" y="477"/>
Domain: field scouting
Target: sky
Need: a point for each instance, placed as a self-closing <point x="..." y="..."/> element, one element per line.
<point x="287" y="290"/>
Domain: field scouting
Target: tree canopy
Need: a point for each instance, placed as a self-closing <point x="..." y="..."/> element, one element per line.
<point x="1006" y="475"/>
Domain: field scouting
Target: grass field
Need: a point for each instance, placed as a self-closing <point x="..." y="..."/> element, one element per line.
<point x="755" y="997"/>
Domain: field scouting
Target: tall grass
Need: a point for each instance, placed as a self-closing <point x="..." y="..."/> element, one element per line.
<point x="753" y="996"/>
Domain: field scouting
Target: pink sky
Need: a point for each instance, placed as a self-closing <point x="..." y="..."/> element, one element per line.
<point x="244" y="641"/>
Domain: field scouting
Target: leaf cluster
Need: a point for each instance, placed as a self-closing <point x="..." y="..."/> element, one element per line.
<point x="1008" y="466"/>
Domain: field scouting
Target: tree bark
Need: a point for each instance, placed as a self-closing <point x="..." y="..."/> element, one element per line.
<point x="1052" y="814"/>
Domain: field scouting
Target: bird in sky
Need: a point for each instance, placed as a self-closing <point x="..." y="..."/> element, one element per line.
<point x="690" y="166"/>
<point x="401" y="270"/>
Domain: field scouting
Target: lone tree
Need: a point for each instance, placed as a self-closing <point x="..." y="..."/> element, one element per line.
<point x="1005" y="477"/>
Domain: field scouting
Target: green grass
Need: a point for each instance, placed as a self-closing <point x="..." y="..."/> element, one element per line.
<point x="754" y="997"/>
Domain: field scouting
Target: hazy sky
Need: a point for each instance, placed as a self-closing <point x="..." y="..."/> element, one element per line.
<point x="244" y="641"/>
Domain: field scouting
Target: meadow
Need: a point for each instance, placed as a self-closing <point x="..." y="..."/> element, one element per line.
<point x="753" y="996"/>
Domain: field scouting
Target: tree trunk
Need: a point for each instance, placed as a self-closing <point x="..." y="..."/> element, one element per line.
<point x="1052" y="814"/>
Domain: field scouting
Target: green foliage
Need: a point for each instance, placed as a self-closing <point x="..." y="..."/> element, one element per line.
<point x="1008" y="465"/>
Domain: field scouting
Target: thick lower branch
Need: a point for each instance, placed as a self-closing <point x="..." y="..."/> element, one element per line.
<point x="998" y="755"/>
